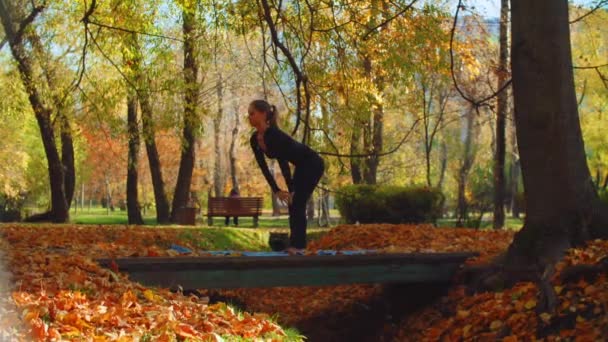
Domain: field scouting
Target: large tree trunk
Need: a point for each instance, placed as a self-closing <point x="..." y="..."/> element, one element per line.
<point x="67" y="158"/>
<point x="148" y="129"/>
<point x="133" y="211"/>
<point x="502" y="107"/>
<point x="562" y="207"/>
<point x="59" y="208"/>
<point x="218" y="184"/>
<point x="191" y="120"/>
<point x="67" y="143"/>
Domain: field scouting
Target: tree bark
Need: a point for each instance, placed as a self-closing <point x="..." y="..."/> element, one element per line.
<point x="59" y="208"/>
<point x="218" y="184"/>
<point x="355" y="148"/>
<point x="67" y="157"/>
<point x="148" y="129"/>
<point x="444" y="164"/>
<point x="233" y="140"/>
<point x="465" y="167"/>
<point x="191" y="120"/>
<point x="562" y="206"/>
<point x="133" y="207"/>
<point x="502" y="107"/>
<point x="67" y="142"/>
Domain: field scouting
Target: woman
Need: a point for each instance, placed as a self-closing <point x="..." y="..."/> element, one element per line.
<point x="269" y="140"/>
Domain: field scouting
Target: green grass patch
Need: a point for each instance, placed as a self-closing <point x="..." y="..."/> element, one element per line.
<point x="227" y="239"/>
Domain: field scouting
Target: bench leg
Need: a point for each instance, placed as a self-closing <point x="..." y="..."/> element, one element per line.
<point x="255" y="221"/>
<point x="209" y="220"/>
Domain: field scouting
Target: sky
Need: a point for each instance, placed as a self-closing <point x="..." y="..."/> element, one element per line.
<point x="491" y="8"/>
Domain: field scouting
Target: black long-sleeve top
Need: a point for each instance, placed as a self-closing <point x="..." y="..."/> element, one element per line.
<point x="285" y="149"/>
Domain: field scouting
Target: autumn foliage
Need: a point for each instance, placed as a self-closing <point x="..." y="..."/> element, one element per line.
<point x="61" y="293"/>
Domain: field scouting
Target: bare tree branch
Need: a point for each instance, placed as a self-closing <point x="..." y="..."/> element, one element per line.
<point x="597" y="6"/>
<point x="475" y="103"/>
<point x="387" y="21"/>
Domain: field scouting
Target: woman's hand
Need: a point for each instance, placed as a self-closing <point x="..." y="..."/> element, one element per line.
<point x="285" y="196"/>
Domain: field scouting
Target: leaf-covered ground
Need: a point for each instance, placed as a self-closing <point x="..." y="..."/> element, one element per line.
<point x="60" y="292"/>
<point x="508" y="315"/>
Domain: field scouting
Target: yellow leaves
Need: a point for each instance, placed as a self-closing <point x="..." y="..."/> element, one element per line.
<point x="466" y="331"/>
<point x="545" y="317"/>
<point x="531" y="304"/>
<point x="463" y="313"/>
<point x="151" y="296"/>
<point x="495" y="325"/>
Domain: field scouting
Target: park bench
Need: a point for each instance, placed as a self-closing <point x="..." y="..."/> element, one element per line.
<point x="269" y="270"/>
<point x="234" y="206"/>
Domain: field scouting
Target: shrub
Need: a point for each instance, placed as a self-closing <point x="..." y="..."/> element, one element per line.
<point x="388" y="204"/>
<point x="11" y="207"/>
<point x="603" y="196"/>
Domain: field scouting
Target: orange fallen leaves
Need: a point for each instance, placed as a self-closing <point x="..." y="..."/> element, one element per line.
<point x="63" y="294"/>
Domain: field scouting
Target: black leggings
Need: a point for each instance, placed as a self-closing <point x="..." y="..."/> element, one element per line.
<point x="305" y="179"/>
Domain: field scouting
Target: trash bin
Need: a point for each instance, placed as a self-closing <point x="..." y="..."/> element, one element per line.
<point x="187" y="216"/>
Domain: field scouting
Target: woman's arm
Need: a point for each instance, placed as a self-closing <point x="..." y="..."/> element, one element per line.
<point x="286" y="171"/>
<point x="259" y="156"/>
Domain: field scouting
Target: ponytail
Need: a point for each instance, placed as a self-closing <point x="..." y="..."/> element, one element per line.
<point x="272" y="116"/>
<point x="268" y="109"/>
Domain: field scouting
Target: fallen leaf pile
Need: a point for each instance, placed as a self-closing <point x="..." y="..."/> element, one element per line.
<point x="60" y="293"/>
<point x="294" y="305"/>
<point x="509" y="315"/>
<point x="582" y="310"/>
<point x="416" y="238"/>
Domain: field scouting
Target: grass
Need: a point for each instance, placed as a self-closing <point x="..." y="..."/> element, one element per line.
<point x="228" y="239"/>
<point x="98" y="215"/>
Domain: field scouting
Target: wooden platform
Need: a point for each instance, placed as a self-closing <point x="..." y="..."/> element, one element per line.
<point x="270" y="271"/>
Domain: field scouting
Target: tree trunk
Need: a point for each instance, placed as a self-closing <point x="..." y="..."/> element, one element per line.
<point x="133" y="207"/>
<point x="355" y="148"/>
<point x="67" y="143"/>
<point x="109" y="199"/>
<point x="372" y="162"/>
<point x="191" y="120"/>
<point x="428" y="144"/>
<point x="562" y="207"/>
<point x="59" y="208"/>
<point x="502" y="107"/>
<point x="148" y="129"/>
<point x="465" y="167"/>
<point x="218" y="183"/>
<point x="444" y="164"/>
<point x="67" y="158"/>
<point x="233" y="161"/>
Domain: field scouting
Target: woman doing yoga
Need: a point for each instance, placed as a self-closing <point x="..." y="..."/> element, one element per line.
<point x="269" y="140"/>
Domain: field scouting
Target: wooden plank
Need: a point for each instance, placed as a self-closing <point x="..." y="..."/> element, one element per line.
<point x="314" y="276"/>
<point x="236" y="272"/>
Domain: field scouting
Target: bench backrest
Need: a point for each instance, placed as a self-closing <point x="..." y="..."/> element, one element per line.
<point x="237" y="206"/>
